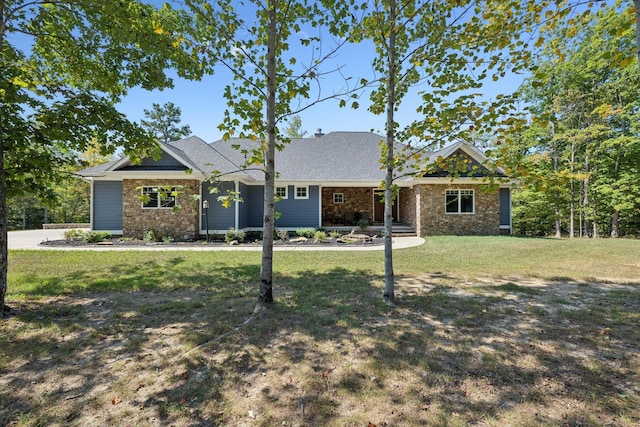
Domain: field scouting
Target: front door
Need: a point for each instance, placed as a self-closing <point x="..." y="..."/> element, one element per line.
<point x="378" y="207"/>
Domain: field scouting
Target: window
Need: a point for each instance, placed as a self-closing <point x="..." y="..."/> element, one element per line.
<point x="159" y="197"/>
<point x="338" y="197"/>
<point x="282" y="193"/>
<point x="302" y="192"/>
<point x="459" y="201"/>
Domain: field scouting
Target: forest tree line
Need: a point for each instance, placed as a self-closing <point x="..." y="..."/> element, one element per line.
<point x="578" y="159"/>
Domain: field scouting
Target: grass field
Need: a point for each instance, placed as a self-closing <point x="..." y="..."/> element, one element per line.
<point x="486" y="331"/>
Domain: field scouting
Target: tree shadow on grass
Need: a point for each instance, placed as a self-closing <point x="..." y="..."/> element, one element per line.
<point x="330" y="351"/>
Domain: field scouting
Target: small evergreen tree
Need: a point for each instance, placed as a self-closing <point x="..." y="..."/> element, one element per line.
<point x="162" y="121"/>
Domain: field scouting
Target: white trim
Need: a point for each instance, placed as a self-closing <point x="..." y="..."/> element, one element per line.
<point x="319" y="205"/>
<point x="286" y="191"/>
<point x="236" y="214"/>
<point x="459" y="192"/>
<point x="172" y="189"/>
<point x="126" y="160"/>
<point x="91" y="204"/>
<point x="295" y="192"/>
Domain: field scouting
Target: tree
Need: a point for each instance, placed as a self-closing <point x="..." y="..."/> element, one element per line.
<point x="585" y="91"/>
<point x="63" y="67"/>
<point x="268" y="78"/>
<point x="294" y="130"/>
<point x="163" y="122"/>
<point x="451" y="48"/>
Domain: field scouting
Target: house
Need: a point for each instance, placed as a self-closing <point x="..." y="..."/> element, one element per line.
<point x="330" y="180"/>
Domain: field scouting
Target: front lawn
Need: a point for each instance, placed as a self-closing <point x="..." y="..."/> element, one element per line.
<point x="486" y="330"/>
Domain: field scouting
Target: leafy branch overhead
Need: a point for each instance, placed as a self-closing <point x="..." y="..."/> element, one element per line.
<point x="271" y="83"/>
<point x="64" y="66"/>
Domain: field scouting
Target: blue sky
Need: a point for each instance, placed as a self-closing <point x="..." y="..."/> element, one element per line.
<point x="203" y="105"/>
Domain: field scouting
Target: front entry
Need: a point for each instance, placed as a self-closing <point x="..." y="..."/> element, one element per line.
<point x="378" y="207"/>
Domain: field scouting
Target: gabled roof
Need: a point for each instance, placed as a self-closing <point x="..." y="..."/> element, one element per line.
<point x="336" y="156"/>
<point x="333" y="157"/>
<point x="190" y="153"/>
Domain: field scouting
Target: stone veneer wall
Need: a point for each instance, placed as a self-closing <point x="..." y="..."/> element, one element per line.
<point x="181" y="224"/>
<point x="356" y="199"/>
<point x="434" y="221"/>
<point x="407" y="207"/>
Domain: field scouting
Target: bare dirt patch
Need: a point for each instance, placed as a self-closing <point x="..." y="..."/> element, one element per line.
<point x="507" y="351"/>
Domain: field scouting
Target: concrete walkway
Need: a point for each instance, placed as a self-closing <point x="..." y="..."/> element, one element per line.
<point x="31" y="239"/>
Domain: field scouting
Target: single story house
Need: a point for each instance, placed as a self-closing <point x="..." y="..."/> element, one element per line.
<point x="330" y="180"/>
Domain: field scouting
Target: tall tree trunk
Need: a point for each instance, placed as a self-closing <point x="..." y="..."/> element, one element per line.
<point x="615" y="226"/>
<point x="389" y="279"/>
<point x="615" y="216"/>
<point x="586" y="225"/>
<point x="4" y="261"/>
<point x="556" y="194"/>
<point x="572" y="203"/>
<point x="265" y="298"/>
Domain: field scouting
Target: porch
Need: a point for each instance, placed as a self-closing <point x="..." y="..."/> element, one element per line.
<point x="348" y="208"/>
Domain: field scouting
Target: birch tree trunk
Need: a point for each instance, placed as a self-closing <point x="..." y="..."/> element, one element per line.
<point x="389" y="279"/>
<point x="4" y="262"/>
<point x="265" y="297"/>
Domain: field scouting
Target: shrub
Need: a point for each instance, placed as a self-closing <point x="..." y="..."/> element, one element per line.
<point x="96" y="236"/>
<point x="363" y="223"/>
<point x="306" y="232"/>
<point x="233" y="234"/>
<point x="335" y="234"/>
<point x="319" y="236"/>
<point x="73" y="235"/>
<point x="150" y="236"/>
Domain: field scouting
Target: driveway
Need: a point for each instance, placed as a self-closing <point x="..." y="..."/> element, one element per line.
<point x="31" y="239"/>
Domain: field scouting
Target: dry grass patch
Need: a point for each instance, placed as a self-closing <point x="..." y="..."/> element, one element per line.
<point x="451" y="352"/>
<point x="110" y="343"/>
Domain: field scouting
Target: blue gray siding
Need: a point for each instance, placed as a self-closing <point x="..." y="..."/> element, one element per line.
<point x="293" y="212"/>
<point x="254" y="202"/>
<point x="243" y="207"/>
<point x="220" y="218"/>
<point x="107" y="205"/>
<point x="299" y="212"/>
<point x="505" y="206"/>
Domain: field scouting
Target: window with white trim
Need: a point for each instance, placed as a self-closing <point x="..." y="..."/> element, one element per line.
<point x="282" y="192"/>
<point x="459" y="202"/>
<point x="302" y="193"/>
<point x="338" y="197"/>
<point x="159" y="197"/>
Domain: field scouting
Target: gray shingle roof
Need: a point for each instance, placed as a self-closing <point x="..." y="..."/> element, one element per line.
<point x="334" y="157"/>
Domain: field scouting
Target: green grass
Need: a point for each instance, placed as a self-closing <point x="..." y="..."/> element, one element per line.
<point x="486" y="330"/>
<point x="460" y="257"/>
